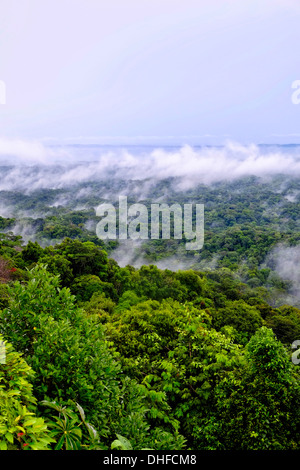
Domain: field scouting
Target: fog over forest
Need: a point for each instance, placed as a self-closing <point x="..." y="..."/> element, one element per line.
<point x="41" y="186"/>
<point x="29" y="166"/>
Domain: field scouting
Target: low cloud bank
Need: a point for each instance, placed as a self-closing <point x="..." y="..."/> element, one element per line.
<point x="34" y="166"/>
<point x="285" y="261"/>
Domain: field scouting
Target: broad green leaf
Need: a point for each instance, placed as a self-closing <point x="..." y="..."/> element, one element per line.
<point x="3" y="445"/>
<point x="9" y="437"/>
<point x="121" y="442"/>
<point x="60" y="443"/>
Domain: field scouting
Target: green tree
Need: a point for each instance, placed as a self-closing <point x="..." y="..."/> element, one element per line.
<point x="31" y="253"/>
<point x="256" y="406"/>
<point x="20" y="427"/>
<point x="244" y="318"/>
<point x="172" y="348"/>
<point x="72" y="359"/>
<point x="83" y="287"/>
<point x="57" y="264"/>
<point x="85" y="258"/>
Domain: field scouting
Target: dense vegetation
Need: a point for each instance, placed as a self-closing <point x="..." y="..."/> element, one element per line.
<point x="245" y="220"/>
<point x="161" y="359"/>
<point x="101" y="356"/>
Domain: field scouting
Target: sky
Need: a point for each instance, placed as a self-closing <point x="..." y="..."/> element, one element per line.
<point x="149" y="71"/>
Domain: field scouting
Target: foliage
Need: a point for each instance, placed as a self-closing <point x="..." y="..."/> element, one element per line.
<point x="71" y="358"/>
<point x="243" y="318"/>
<point x="121" y="443"/>
<point x="88" y="284"/>
<point x="172" y="349"/>
<point x="68" y="431"/>
<point x="20" y="427"/>
<point x="107" y="357"/>
<point x="256" y="407"/>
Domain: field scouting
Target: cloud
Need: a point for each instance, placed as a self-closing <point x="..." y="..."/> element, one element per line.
<point x="285" y="260"/>
<point x="59" y="167"/>
<point x="28" y="152"/>
<point x="22" y="151"/>
<point x="28" y="166"/>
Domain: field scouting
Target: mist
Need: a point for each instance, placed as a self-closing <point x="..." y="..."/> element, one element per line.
<point x="81" y="177"/>
<point x="32" y="166"/>
<point x="285" y="261"/>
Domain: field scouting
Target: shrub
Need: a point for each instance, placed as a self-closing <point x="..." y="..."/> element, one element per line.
<point x="20" y="427"/>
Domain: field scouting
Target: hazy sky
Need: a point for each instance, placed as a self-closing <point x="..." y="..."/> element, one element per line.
<point x="173" y="71"/>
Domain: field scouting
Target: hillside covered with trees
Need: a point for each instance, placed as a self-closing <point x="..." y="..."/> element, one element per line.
<point x="149" y="231"/>
<point x="100" y="356"/>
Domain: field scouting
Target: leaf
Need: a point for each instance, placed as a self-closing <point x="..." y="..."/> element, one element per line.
<point x="121" y="442"/>
<point x="20" y="428"/>
<point x="9" y="437"/>
<point x="54" y="405"/>
<point x="92" y="431"/>
<point x="3" y="445"/>
<point x="72" y="443"/>
<point x="30" y="422"/>
<point x="77" y="432"/>
<point x="60" y="443"/>
<point x="81" y="411"/>
<point x="12" y="393"/>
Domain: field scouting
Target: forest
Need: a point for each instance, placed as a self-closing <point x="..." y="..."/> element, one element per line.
<point x="106" y="351"/>
<point x="149" y="232"/>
